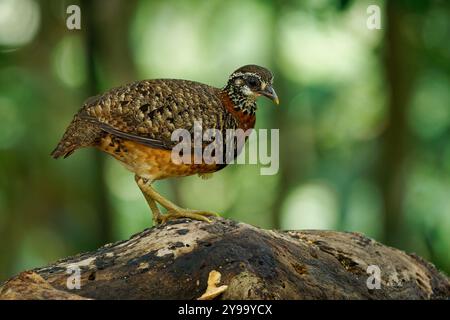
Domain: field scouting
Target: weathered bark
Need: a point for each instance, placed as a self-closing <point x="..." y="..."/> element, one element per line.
<point x="173" y="261"/>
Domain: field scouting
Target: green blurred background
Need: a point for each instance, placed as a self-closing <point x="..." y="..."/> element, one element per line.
<point x="364" y="118"/>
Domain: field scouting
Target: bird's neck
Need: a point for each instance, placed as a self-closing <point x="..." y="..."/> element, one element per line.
<point x="241" y="102"/>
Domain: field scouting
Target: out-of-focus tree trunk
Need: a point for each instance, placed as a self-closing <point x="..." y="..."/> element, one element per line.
<point x="400" y="68"/>
<point x="290" y="167"/>
<point x="107" y="49"/>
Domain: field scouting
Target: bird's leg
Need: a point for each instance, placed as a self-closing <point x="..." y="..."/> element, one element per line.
<point x="173" y="211"/>
<point x="151" y="202"/>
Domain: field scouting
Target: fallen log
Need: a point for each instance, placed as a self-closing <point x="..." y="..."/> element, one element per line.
<point x="175" y="260"/>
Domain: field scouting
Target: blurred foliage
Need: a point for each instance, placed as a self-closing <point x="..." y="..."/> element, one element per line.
<point x="338" y="118"/>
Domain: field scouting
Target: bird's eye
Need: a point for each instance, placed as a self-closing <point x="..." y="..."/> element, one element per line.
<point x="253" y="82"/>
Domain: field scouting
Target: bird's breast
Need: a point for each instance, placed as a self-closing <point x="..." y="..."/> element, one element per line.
<point x="151" y="163"/>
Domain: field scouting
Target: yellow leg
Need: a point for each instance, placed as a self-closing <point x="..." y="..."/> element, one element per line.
<point x="151" y="203"/>
<point x="173" y="211"/>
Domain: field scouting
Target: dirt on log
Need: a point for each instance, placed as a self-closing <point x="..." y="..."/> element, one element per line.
<point x="173" y="261"/>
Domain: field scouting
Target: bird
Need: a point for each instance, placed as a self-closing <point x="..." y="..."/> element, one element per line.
<point x="134" y="124"/>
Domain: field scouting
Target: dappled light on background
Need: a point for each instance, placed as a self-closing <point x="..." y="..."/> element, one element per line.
<point x="219" y="189"/>
<point x="427" y="205"/>
<point x="364" y="209"/>
<point x="429" y="116"/>
<point x="130" y="210"/>
<point x="436" y="31"/>
<point x="333" y="78"/>
<point x="13" y="128"/>
<point x="34" y="253"/>
<point x="120" y="183"/>
<point x="19" y="22"/>
<point x="69" y="61"/>
<point x="158" y="54"/>
<point x="2" y="207"/>
<point x="254" y="195"/>
<point x="196" y="38"/>
<point x="427" y="198"/>
<point x="337" y="55"/>
<point x="353" y="115"/>
<point x="311" y="206"/>
<point x="446" y="157"/>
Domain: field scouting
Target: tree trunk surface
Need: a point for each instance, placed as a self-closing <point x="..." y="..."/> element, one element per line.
<point x="174" y="260"/>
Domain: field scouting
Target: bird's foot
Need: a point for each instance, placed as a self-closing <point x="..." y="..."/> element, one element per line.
<point x="173" y="211"/>
<point x="177" y="213"/>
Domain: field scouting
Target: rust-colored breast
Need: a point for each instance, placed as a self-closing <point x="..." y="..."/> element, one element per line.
<point x="150" y="163"/>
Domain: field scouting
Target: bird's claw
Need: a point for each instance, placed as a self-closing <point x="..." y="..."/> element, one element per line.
<point x="172" y="214"/>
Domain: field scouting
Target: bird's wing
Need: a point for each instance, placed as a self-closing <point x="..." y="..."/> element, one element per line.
<point x="155" y="143"/>
<point x="149" y="111"/>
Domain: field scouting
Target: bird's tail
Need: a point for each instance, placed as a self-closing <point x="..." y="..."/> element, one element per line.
<point x="80" y="133"/>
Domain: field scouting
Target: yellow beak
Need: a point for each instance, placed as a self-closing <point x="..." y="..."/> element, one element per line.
<point x="270" y="93"/>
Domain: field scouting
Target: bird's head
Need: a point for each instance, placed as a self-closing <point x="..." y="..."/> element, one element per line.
<point x="248" y="83"/>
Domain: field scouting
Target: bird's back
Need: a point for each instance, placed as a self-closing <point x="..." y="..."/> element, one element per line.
<point x="146" y="111"/>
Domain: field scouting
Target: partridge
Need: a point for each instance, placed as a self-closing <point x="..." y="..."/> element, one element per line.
<point x="134" y="123"/>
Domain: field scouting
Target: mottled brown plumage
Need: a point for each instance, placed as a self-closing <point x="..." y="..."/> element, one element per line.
<point x="134" y="122"/>
<point x="150" y="110"/>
